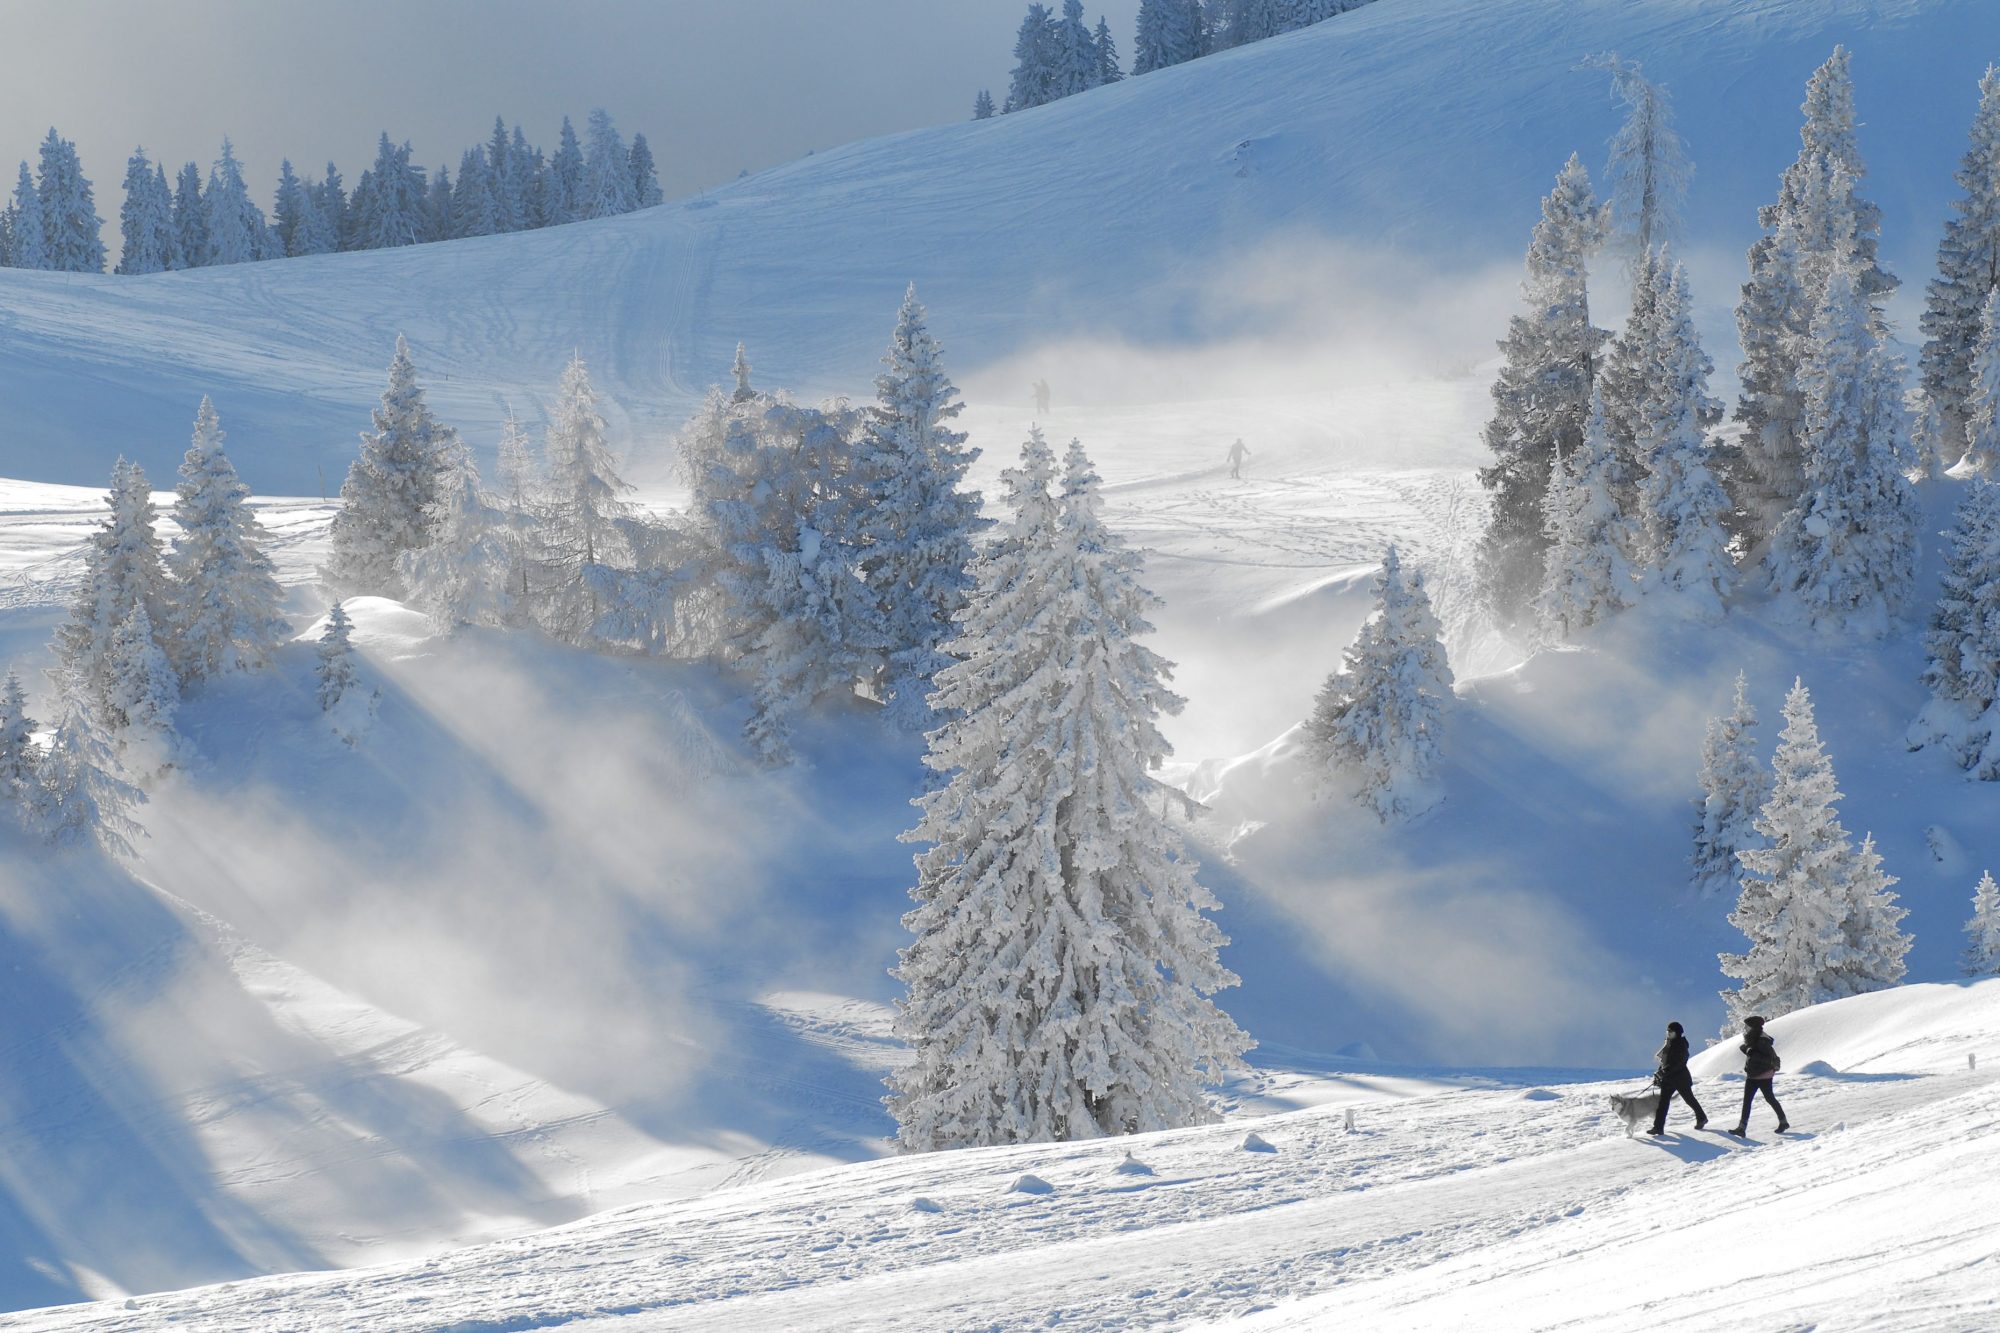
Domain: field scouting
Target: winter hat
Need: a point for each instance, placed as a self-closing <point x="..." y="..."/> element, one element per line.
<point x="1675" y="1028"/>
<point x="1754" y="1021"/>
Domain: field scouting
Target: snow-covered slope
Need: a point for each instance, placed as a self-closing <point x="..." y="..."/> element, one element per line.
<point x="1191" y="206"/>
<point x="1513" y="1205"/>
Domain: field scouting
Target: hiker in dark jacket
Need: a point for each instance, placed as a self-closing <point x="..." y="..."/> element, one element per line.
<point x="1673" y="1077"/>
<point x="1760" y="1063"/>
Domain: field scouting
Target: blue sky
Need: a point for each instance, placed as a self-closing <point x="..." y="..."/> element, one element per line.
<point x="716" y="85"/>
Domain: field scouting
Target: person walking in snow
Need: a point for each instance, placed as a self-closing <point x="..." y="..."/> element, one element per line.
<point x="1760" y="1064"/>
<point x="1672" y="1077"/>
<point x="1237" y="453"/>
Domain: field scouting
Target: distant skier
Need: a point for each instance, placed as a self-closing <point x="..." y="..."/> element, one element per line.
<point x="1672" y="1077"/>
<point x="1041" y="398"/>
<point x="1237" y="453"/>
<point x="1760" y="1063"/>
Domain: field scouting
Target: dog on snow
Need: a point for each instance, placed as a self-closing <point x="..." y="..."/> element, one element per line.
<point x="1636" y="1109"/>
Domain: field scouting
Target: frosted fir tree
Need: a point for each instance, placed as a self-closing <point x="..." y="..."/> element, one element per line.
<point x="122" y="572"/>
<point x="1817" y="913"/>
<point x="582" y="501"/>
<point x="346" y="703"/>
<point x="982" y="106"/>
<point x="82" y="799"/>
<point x="1733" y="791"/>
<point x="646" y="192"/>
<point x="918" y="526"/>
<point x="1623" y="379"/>
<point x="27" y="237"/>
<point x="465" y="575"/>
<point x="1587" y="572"/>
<point x="385" y="503"/>
<point x="1681" y="512"/>
<point x="1170" y="32"/>
<point x="1059" y="984"/>
<point x="236" y="225"/>
<point x="1846" y="550"/>
<point x="1817" y="222"/>
<point x="500" y="175"/>
<point x="286" y="204"/>
<point x="20" y="760"/>
<point x="390" y="204"/>
<point x="564" y="194"/>
<point x="223" y="603"/>
<point x="520" y="483"/>
<point x="1646" y="177"/>
<point x="72" y="230"/>
<point x="607" y="171"/>
<point x="472" y="209"/>
<point x="1106" y="51"/>
<point x="1968" y="259"/>
<point x="1032" y="82"/>
<point x="1377" y="724"/>
<point x="740" y="369"/>
<point x="1982" y="950"/>
<point x="1074" y="66"/>
<point x="146" y="219"/>
<point x="1980" y="434"/>
<point x="142" y="695"/>
<point x="190" y="218"/>
<point x="1962" y="643"/>
<point x="1542" y="399"/>
<point x="321" y="228"/>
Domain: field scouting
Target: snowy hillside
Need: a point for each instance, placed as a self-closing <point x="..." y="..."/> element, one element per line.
<point x="1513" y="1204"/>
<point x="1271" y="206"/>
<point x="545" y="947"/>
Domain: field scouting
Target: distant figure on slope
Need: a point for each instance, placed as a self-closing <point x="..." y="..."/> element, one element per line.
<point x="1760" y="1063"/>
<point x="1237" y="453"/>
<point x="1041" y="398"/>
<point x="1673" y="1077"/>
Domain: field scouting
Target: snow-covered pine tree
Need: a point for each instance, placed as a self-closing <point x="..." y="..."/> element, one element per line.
<point x="236" y="225"/>
<point x="28" y="236"/>
<point x="500" y="175"/>
<point x="1962" y="643"/>
<point x="607" y="171"/>
<point x="1979" y="437"/>
<point x="328" y="223"/>
<point x="1074" y="67"/>
<point x="581" y="505"/>
<point x="1622" y="382"/>
<point x="520" y="483"/>
<point x="1681" y="513"/>
<point x="1982" y="950"/>
<point x="335" y="673"/>
<point x="1377" y="723"/>
<point x="646" y="192"/>
<point x="163" y="196"/>
<point x="1815" y="224"/>
<point x="20" y="761"/>
<point x="286" y="205"/>
<point x="1846" y="549"/>
<point x="1587" y="570"/>
<point x="1733" y="791"/>
<point x="81" y="797"/>
<point x="1646" y="177"/>
<point x="142" y="694"/>
<point x="564" y="195"/>
<point x="122" y="572"/>
<point x="1817" y="913"/>
<point x="72" y="231"/>
<point x="1968" y="273"/>
<point x="917" y="525"/>
<point x="190" y="218"/>
<point x="1106" y="51"/>
<point x="1171" y="32"/>
<point x="391" y="203"/>
<point x="982" y="106"/>
<point x="146" y="219"/>
<point x="472" y="209"/>
<point x="223" y="602"/>
<point x="1542" y="399"/>
<point x="1032" y="81"/>
<point x="1058" y="985"/>
<point x="386" y="499"/>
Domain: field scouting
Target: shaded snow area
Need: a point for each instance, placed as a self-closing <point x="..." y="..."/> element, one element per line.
<point x="1502" y="1203"/>
<point x="542" y="1005"/>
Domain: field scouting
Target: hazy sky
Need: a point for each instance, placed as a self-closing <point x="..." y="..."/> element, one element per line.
<point x="715" y="85"/>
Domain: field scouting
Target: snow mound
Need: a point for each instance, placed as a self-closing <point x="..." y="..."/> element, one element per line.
<point x="1255" y="1142"/>
<point x="1904" y="1031"/>
<point x="1026" y="1183"/>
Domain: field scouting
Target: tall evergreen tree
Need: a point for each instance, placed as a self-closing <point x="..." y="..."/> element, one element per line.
<point x="1816" y="910"/>
<point x="146" y="219"/>
<point x="1962" y="643"/>
<point x="1846" y="550"/>
<point x="390" y="204"/>
<point x="335" y="672"/>
<point x="500" y="171"/>
<point x="1980" y="436"/>
<point x="646" y="192"/>
<point x="1170" y="33"/>
<point x="163" y="194"/>
<point x="1032" y="82"/>
<point x="1968" y="273"/>
<point x="1106" y="51"/>
<point x="1682" y="512"/>
<point x="190" y="218"/>
<point x="1733" y="791"/>
<point x="1587" y="571"/>
<point x="1817" y="223"/>
<point x="464" y="575"/>
<point x="1377" y="725"/>
<point x="1646" y="178"/>
<point x="918" y="526"/>
<point x="329" y="220"/>
<point x="1059" y="982"/>
<point x="1074" y="67"/>
<point x="286" y="207"/>
<point x="1982" y="950"/>
<point x="606" y="189"/>
<point x="82" y="798"/>
<point x="473" y="212"/>
<point x="385" y="503"/>
<point x="1623" y="379"/>
<point x="20" y="761"/>
<point x="143" y="695"/>
<point x="122" y="572"/>
<point x="563" y="199"/>
<point x="1542" y="400"/>
<point x="582" y="503"/>
<point x="982" y="106"/>
<point x="236" y="225"/>
<point x="72" y="231"/>
<point x="223" y="602"/>
<point x="28" y="235"/>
